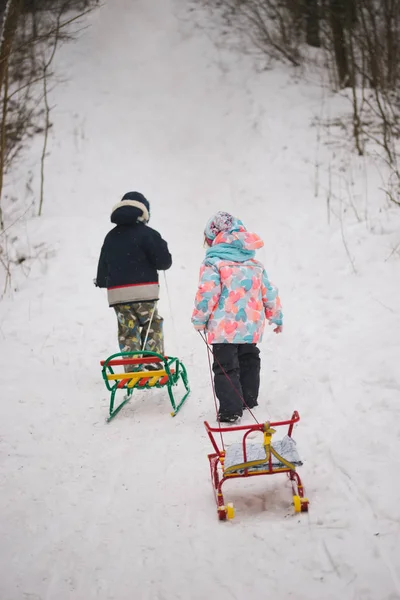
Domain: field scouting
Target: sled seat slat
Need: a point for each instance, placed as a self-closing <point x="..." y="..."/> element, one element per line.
<point x="122" y="383"/>
<point x="141" y="378"/>
<point x="135" y="374"/>
<point x="145" y="360"/>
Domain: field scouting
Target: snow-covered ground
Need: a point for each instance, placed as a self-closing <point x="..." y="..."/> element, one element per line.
<point x="125" y="510"/>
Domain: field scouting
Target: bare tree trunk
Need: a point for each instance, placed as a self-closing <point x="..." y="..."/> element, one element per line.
<point x="357" y="126"/>
<point x="47" y="125"/>
<point x="337" y="15"/>
<point x="391" y="17"/>
<point x="3" y="15"/>
<point x="9" y="27"/>
<point x="3" y="139"/>
<point x="45" y="139"/>
<point x="11" y="15"/>
<point x="312" y="23"/>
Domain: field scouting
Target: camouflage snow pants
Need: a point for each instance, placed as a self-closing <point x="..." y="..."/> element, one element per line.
<point x="133" y="327"/>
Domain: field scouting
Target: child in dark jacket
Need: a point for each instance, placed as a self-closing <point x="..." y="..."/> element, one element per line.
<point x="233" y="300"/>
<point x="131" y="256"/>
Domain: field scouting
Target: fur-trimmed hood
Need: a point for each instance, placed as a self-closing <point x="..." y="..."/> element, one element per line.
<point x="133" y="208"/>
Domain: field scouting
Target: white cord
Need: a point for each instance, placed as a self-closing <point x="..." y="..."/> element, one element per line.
<point x="171" y="315"/>
<point x="148" y="329"/>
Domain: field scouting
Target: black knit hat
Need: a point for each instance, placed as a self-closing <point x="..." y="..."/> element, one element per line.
<point x="133" y="206"/>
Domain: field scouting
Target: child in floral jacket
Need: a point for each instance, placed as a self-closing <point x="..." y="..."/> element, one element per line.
<point x="233" y="300"/>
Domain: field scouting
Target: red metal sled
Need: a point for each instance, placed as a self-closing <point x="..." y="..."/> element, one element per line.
<point x="271" y="463"/>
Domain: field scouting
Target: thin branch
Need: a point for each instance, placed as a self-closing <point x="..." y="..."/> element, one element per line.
<point x="16" y="220"/>
<point x="25" y="86"/>
<point x="395" y="250"/>
<point x="8" y="274"/>
<point x="47" y="116"/>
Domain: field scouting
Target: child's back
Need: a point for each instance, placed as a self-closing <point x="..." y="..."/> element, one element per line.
<point x="233" y="299"/>
<point x="235" y="291"/>
<point x="131" y="256"/>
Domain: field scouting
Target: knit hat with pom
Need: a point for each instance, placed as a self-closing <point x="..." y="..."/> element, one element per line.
<point x="221" y="221"/>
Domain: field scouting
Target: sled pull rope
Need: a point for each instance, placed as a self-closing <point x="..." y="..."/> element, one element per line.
<point x="148" y="328"/>
<point x="175" y="343"/>
<point x="210" y="352"/>
<point x="214" y="394"/>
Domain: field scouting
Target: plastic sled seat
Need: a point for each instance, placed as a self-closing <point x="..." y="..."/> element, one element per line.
<point x="244" y="459"/>
<point x="166" y="371"/>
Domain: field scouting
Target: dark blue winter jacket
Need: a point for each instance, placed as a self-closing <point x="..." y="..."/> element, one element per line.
<point x="131" y="255"/>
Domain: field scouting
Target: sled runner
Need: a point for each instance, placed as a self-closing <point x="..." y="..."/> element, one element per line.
<point x="166" y="371"/>
<point x="244" y="459"/>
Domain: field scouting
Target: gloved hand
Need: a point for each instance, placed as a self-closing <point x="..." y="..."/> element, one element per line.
<point x="95" y="282"/>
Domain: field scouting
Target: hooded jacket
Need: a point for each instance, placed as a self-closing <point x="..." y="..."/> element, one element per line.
<point x="235" y="296"/>
<point x="131" y="255"/>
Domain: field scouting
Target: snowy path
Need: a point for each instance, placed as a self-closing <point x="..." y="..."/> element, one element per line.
<point x="125" y="510"/>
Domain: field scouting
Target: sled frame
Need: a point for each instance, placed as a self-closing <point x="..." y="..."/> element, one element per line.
<point x="170" y="373"/>
<point x="219" y="474"/>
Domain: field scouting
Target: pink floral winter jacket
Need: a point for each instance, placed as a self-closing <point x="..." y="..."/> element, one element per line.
<point x="234" y="295"/>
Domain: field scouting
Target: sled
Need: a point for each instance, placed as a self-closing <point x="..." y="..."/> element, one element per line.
<point x="168" y="372"/>
<point x="244" y="459"/>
